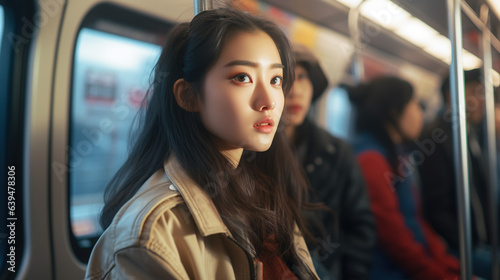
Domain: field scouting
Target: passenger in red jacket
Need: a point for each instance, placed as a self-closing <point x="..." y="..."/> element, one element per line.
<point x="388" y="116"/>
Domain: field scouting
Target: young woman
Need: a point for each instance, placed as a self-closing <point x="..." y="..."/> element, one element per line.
<point x="208" y="191"/>
<point x="335" y="179"/>
<point x="388" y="116"/>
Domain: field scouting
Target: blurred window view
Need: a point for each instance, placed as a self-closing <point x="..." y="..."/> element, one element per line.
<point x="110" y="78"/>
<point x="338" y="115"/>
<point x="1" y="25"/>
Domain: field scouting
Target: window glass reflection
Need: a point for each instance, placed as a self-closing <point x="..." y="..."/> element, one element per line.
<point x="111" y="77"/>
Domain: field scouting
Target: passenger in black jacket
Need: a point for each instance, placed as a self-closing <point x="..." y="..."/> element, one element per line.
<point x="438" y="184"/>
<point x="345" y="235"/>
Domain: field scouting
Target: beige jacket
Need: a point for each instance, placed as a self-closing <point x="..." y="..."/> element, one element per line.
<point x="171" y="229"/>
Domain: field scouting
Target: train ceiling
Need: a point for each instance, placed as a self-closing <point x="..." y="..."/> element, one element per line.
<point x="334" y="15"/>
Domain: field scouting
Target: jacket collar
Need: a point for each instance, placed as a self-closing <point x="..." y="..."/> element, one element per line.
<point x="200" y="204"/>
<point x="205" y="214"/>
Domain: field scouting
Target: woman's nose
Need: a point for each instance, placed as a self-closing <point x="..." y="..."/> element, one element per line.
<point x="264" y="99"/>
<point x="271" y="106"/>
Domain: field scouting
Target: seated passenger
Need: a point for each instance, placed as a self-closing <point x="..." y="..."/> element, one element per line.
<point x="346" y="240"/>
<point x="497" y="134"/>
<point x="439" y="196"/>
<point x="190" y="202"/>
<point x="388" y="116"/>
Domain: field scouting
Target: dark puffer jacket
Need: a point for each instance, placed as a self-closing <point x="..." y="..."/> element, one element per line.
<point x="438" y="184"/>
<point x="346" y="236"/>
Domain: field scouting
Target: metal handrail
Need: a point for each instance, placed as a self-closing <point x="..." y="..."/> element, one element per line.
<point x="469" y="12"/>
<point x="457" y="94"/>
<point x="353" y="24"/>
<point x="490" y="136"/>
<point x="202" y="5"/>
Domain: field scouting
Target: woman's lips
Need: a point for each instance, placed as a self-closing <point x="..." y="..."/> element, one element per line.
<point x="293" y="109"/>
<point x="265" y="125"/>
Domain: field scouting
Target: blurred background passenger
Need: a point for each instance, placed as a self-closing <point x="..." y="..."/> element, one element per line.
<point x="438" y="176"/>
<point x="346" y="240"/>
<point x="497" y="132"/>
<point x="387" y="117"/>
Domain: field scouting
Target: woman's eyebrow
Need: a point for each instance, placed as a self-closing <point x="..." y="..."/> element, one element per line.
<point x="251" y="64"/>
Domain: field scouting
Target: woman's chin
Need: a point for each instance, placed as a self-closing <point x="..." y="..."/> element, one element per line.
<point x="261" y="147"/>
<point x="293" y="120"/>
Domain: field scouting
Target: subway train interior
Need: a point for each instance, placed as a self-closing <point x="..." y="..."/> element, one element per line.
<point x="73" y="75"/>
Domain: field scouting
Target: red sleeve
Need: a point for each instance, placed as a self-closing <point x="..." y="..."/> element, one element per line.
<point x="438" y="249"/>
<point x="394" y="236"/>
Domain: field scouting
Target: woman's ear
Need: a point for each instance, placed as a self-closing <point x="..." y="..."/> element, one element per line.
<point x="183" y="96"/>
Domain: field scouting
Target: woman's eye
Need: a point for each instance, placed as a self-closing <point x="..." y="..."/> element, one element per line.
<point x="242" y="78"/>
<point x="277" y="81"/>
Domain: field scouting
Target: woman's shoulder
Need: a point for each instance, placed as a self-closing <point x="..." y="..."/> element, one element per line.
<point x="157" y="198"/>
<point x="169" y="203"/>
<point x="155" y="209"/>
<point x="373" y="159"/>
<point x="365" y="142"/>
<point x="322" y="141"/>
<point x="371" y="155"/>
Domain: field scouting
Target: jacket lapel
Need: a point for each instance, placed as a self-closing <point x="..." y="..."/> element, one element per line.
<point x="200" y="204"/>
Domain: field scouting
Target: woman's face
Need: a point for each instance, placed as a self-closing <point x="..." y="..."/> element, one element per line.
<point x="243" y="95"/>
<point x="299" y="98"/>
<point x="411" y="120"/>
<point x="474" y="98"/>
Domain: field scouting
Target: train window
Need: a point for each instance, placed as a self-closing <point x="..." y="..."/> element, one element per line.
<point x="338" y="120"/>
<point x="110" y="78"/>
<point x="1" y="24"/>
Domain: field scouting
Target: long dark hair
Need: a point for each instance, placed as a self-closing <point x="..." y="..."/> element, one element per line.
<point x="378" y="103"/>
<point x="266" y="189"/>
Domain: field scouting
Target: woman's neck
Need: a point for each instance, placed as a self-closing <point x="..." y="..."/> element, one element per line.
<point x="233" y="155"/>
<point x="290" y="133"/>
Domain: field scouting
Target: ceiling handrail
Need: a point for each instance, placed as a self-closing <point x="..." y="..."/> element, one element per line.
<point x="353" y="24"/>
<point x="469" y="12"/>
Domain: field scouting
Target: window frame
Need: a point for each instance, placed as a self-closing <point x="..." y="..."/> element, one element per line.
<point x="143" y="28"/>
<point x="13" y="74"/>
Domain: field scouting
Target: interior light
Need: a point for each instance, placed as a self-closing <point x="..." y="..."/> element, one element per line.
<point x="385" y="13"/>
<point x="392" y="17"/>
<point x="350" y="3"/>
<point x="416" y="32"/>
<point x="470" y="61"/>
<point x="440" y="47"/>
<point x="495" y="78"/>
<point x="495" y="6"/>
